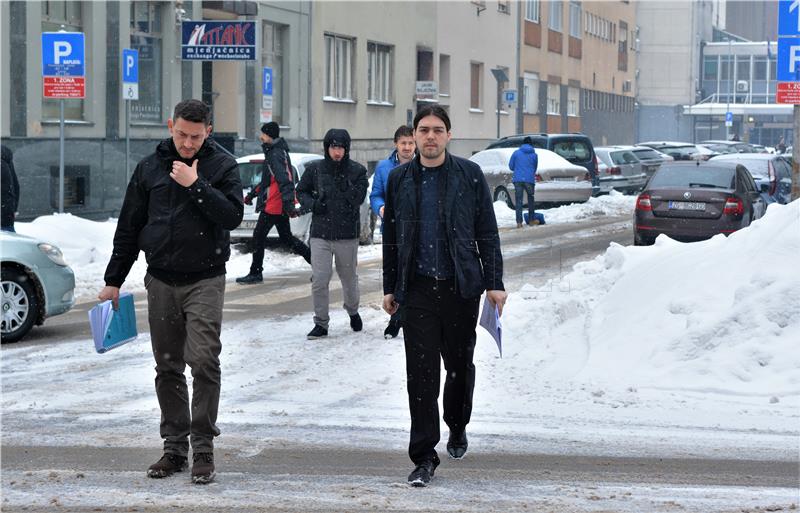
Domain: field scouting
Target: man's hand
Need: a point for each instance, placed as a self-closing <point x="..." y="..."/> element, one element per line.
<point x="184" y="174"/>
<point x="389" y="304"/>
<point x="111" y="293"/>
<point x="381" y="212"/>
<point x="248" y="200"/>
<point x="498" y="298"/>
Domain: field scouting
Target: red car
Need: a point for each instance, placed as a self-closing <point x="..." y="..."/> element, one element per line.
<point x="695" y="201"/>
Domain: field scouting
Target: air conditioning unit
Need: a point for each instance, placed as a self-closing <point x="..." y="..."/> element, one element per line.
<point x="742" y="86"/>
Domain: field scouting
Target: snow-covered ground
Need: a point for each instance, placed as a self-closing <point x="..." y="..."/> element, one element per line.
<point x="670" y="350"/>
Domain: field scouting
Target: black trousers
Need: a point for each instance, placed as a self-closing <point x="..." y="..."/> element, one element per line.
<point x="439" y="325"/>
<point x="263" y="226"/>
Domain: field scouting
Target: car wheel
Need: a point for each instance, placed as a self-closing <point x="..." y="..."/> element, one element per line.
<point x="501" y="194"/>
<point x="20" y="305"/>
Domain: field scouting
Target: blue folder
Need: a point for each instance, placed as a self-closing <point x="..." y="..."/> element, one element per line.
<point x="112" y="328"/>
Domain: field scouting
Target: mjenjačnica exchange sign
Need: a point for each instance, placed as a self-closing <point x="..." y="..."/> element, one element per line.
<point x="218" y="41"/>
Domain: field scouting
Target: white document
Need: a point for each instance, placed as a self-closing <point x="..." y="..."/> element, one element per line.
<point x="490" y="320"/>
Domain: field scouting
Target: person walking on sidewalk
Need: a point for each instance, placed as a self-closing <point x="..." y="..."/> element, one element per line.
<point x="404" y="148"/>
<point x="180" y="205"/>
<point x="275" y="202"/>
<point x="333" y="189"/>
<point x="524" y="163"/>
<point x="441" y="251"/>
<point x="10" y="187"/>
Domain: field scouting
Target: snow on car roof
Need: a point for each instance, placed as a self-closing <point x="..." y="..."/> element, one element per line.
<point x="547" y="159"/>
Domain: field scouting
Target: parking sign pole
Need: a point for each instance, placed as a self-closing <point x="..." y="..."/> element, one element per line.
<point x="796" y="153"/>
<point x="61" y="159"/>
<point x="127" y="142"/>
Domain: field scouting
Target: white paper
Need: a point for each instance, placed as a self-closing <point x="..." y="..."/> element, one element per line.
<point x="490" y="320"/>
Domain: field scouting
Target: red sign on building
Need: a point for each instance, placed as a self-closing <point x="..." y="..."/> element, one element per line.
<point x="788" y="92"/>
<point x="64" y="87"/>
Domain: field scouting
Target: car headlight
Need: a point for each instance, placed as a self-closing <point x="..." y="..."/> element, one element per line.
<point x="53" y="253"/>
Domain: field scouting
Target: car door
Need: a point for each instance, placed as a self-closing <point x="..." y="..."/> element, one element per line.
<point x="750" y="193"/>
<point x="783" y="170"/>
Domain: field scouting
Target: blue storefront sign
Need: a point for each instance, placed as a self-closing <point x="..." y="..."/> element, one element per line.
<point x="218" y="40"/>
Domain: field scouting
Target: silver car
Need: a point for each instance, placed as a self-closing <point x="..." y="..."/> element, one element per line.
<point x="36" y="283"/>
<point x="620" y="169"/>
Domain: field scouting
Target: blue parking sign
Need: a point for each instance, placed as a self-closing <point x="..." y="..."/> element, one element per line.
<point x="788" y="18"/>
<point x="130" y="66"/>
<point x="63" y="54"/>
<point x="266" y="82"/>
<point x="788" y="59"/>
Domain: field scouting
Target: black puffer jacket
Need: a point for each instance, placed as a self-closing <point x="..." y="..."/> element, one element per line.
<point x="10" y="187"/>
<point x="277" y="165"/>
<point x="334" y="192"/>
<point x="469" y="222"/>
<point x="183" y="231"/>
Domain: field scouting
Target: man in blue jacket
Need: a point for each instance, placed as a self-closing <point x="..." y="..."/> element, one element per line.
<point x="524" y="163"/>
<point x="404" y="148"/>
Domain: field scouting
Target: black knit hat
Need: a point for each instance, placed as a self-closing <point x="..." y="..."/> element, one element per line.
<point x="271" y="129"/>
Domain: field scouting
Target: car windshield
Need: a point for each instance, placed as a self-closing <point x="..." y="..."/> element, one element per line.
<point x="647" y="154"/>
<point x="757" y="167"/>
<point x="622" y="157"/>
<point x="574" y="151"/>
<point x="693" y="176"/>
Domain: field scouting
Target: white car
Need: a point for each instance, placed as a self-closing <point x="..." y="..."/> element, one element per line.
<point x="557" y="179"/>
<point x="250" y="167"/>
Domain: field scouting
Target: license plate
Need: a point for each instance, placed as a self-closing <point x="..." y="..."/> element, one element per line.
<point x="248" y="225"/>
<point x="687" y="205"/>
<point x="563" y="179"/>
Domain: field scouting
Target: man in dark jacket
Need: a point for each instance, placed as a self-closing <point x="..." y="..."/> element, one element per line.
<point x="524" y="163"/>
<point x="10" y="189"/>
<point x="179" y="208"/>
<point x="441" y="250"/>
<point x="275" y="203"/>
<point x="334" y="188"/>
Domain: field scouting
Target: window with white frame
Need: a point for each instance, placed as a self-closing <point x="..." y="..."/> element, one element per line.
<point x="553" y="99"/>
<point x="532" y="10"/>
<point x="573" y="101"/>
<point x="556" y="15"/>
<point x="55" y="16"/>
<point x="531" y="92"/>
<point x="379" y="73"/>
<point x="338" y="67"/>
<point x="147" y="39"/>
<point x="575" y="19"/>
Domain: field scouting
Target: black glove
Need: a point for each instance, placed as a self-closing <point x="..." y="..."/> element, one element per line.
<point x="248" y="200"/>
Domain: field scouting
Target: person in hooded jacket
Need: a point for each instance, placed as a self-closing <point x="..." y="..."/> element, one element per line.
<point x="10" y="188"/>
<point x="524" y="163"/>
<point x="275" y="203"/>
<point x="179" y="207"/>
<point x="333" y="189"/>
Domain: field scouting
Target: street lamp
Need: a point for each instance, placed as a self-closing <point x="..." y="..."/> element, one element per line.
<point x="501" y="77"/>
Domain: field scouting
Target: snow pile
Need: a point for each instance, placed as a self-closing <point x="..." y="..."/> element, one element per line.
<point x="721" y="315"/>
<point x="614" y="204"/>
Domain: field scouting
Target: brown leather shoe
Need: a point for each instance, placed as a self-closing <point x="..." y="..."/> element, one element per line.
<point x="167" y="465"/>
<point x="203" y="468"/>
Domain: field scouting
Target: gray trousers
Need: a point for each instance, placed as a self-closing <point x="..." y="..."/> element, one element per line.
<point x="185" y="325"/>
<point x="323" y="253"/>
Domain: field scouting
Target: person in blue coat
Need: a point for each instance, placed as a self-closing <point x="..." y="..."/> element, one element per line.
<point x="524" y="163"/>
<point x="404" y="148"/>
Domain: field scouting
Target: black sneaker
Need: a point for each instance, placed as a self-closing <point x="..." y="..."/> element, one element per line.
<point x="392" y="330"/>
<point x="317" y="332"/>
<point x="203" y="468"/>
<point x="355" y="322"/>
<point x="167" y="465"/>
<point x="423" y="473"/>
<point x="250" y="279"/>
<point x="457" y="444"/>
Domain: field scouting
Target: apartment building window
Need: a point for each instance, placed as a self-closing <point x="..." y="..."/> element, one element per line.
<point x="531" y="92"/>
<point x="444" y="75"/>
<point x="532" y="10"/>
<point x="759" y="68"/>
<point x="272" y="57"/>
<point x="622" y="54"/>
<point x="476" y="76"/>
<point x="553" y="99"/>
<point x="147" y="39"/>
<point x="70" y="15"/>
<point x="504" y="6"/>
<point x="379" y="73"/>
<point x="556" y="16"/>
<point x="338" y="68"/>
<point x="743" y="67"/>
<point x="711" y="66"/>
<point x="575" y="19"/>
<point x="573" y="101"/>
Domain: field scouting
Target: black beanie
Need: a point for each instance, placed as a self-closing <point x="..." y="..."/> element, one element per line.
<point x="271" y="129"/>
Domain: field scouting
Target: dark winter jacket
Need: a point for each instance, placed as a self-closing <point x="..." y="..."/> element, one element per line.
<point x="275" y="192"/>
<point x="334" y="191"/>
<point x="524" y="163"/>
<point x="10" y="188"/>
<point x="183" y="231"/>
<point x="469" y="221"/>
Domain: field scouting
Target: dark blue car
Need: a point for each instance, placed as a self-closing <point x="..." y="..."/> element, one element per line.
<point x="772" y="173"/>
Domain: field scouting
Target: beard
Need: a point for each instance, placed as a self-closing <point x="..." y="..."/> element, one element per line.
<point x="431" y="152"/>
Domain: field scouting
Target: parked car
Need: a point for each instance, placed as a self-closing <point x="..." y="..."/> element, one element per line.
<point x="36" y="284"/>
<point x="679" y="150"/>
<point x="250" y="172"/>
<point x="772" y="173"/>
<point x="737" y="146"/>
<point x="576" y="148"/>
<point x="620" y="169"/>
<point x="695" y="201"/>
<point x="719" y="149"/>
<point x="557" y="180"/>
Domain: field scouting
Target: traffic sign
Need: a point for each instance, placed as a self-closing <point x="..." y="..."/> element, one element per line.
<point x="63" y="54"/>
<point x="266" y="102"/>
<point x="788" y="59"/>
<point x="266" y="81"/>
<point x="789" y="18"/>
<point x="788" y="92"/>
<point x="130" y="74"/>
<point x="510" y="97"/>
<point x="64" y="87"/>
